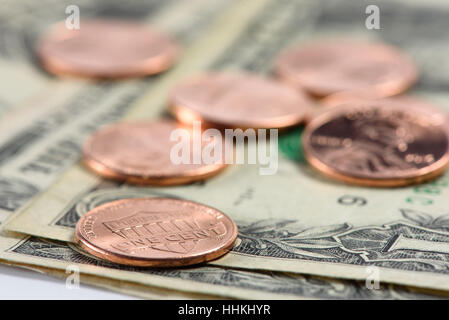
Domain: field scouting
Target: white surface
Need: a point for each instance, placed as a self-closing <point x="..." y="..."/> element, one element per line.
<point x="18" y="283"/>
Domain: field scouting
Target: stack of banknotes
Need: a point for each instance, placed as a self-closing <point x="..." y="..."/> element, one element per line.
<point x="318" y="240"/>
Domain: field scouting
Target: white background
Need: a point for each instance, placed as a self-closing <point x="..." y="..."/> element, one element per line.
<point x="18" y="283"/>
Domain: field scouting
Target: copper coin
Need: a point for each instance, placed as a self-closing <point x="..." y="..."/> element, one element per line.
<point x="325" y="68"/>
<point x="156" y="232"/>
<point x="106" y="49"/>
<point x="140" y="153"/>
<point x="376" y="143"/>
<point x="405" y="101"/>
<point x="237" y="100"/>
<point x="345" y="96"/>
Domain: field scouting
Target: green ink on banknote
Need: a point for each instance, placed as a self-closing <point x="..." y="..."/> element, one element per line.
<point x="290" y="145"/>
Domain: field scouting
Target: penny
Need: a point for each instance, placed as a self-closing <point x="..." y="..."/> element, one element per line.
<point x="405" y="101"/>
<point x="345" y="96"/>
<point x="156" y="232"/>
<point x="140" y="153"/>
<point x="237" y="100"/>
<point x="106" y="49"/>
<point x="377" y="143"/>
<point x="325" y="68"/>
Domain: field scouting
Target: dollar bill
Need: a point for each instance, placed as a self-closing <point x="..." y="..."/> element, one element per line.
<point x="294" y="221"/>
<point x="54" y="258"/>
<point x="41" y="135"/>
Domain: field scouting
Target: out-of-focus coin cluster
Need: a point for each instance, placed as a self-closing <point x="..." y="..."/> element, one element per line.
<point x="356" y="135"/>
<point x="353" y="133"/>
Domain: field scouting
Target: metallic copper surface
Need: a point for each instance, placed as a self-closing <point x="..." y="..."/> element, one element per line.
<point x="325" y="68"/>
<point x="106" y="49"/>
<point x="377" y="143"/>
<point x="345" y="96"/>
<point x="237" y="100"/>
<point x="405" y="101"/>
<point x="156" y="232"/>
<point x="139" y="152"/>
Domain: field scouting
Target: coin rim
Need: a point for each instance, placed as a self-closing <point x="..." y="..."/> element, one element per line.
<point x="158" y="262"/>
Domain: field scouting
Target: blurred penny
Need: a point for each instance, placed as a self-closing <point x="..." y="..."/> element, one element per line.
<point x="405" y="101"/>
<point x="140" y="153"/>
<point x="156" y="232"/>
<point x="237" y="100"/>
<point x="325" y="68"/>
<point x="345" y="96"/>
<point x="378" y="143"/>
<point x="106" y="49"/>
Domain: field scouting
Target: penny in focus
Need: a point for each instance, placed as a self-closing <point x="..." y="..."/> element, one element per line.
<point x="140" y="153"/>
<point x="237" y="100"/>
<point x="378" y="143"/>
<point x="156" y="232"/>
<point x="325" y="68"/>
<point x="106" y="49"/>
